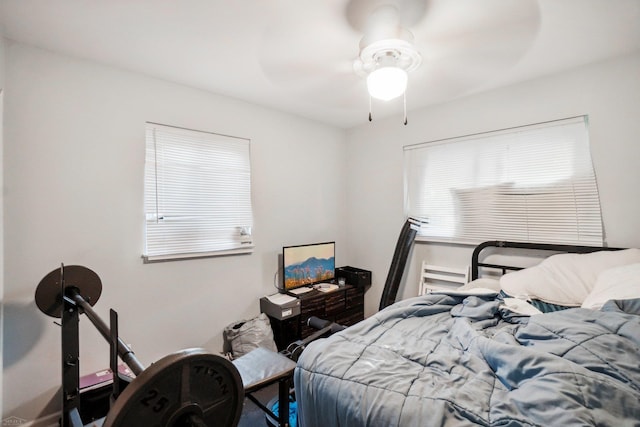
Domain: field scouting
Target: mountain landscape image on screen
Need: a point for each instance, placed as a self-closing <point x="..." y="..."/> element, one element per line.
<point x="312" y="270"/>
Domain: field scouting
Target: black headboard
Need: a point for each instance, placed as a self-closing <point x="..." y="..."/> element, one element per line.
<point x="475" y="258"/>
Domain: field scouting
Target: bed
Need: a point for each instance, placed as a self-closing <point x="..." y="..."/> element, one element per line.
<point x="484" y="354"/>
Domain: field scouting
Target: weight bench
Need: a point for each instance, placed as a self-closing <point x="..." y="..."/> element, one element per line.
<point x="261" y="368"/>
<point x="189" y="388"/>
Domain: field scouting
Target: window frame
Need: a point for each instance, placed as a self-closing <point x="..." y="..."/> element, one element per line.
<point x="189" y="211"/>
<point x="572" y="132"/>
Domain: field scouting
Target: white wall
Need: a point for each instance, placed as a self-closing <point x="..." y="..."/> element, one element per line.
<point x="74" y="158"/>
<point x="608" y="92"/>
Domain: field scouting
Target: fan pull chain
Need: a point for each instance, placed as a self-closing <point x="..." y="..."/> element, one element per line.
<point x="405" y="107"/>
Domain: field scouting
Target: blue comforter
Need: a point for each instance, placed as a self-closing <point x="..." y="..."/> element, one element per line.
<point x="441" y="360"/>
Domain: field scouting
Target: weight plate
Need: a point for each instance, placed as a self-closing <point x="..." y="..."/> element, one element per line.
<point x="49" y="290"/>
<point x="189" y="383"/>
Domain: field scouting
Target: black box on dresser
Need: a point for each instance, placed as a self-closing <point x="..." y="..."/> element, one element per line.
<point x="354" y="276"/>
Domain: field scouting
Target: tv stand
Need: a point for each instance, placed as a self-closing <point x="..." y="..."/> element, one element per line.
<point x="344" y="306"/>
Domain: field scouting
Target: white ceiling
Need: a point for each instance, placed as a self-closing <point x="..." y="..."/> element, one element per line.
<point x="297" y="55"/>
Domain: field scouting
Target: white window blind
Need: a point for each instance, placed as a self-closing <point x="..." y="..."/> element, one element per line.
<point x="197" y="194"/>
<point x="531" y="184"/>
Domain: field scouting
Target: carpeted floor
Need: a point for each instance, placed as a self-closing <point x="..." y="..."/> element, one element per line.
<point x="252" y="416"/>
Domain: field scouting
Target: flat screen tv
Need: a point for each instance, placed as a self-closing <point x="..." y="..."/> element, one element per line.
<point x="306" y="265"/>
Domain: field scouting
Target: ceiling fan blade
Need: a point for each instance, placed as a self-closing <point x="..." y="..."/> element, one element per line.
<point x="458" y="27"/>
<point x="311" y="57"/>
<point x="461" y="48"/>
<point x="410" y="12"/>
<point x="325" y="85"/>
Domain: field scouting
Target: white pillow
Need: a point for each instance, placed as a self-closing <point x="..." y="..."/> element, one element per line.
<point x="482" y="282"/>
<point x="565" y="279"/>
<point x="615" y="283"/>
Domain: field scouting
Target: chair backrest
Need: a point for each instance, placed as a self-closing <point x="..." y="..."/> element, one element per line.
<point x="437" y="277"/>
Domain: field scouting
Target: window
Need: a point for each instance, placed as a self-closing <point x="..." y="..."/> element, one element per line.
<point x="197" y="194"/>
<point x="533" y="183"/>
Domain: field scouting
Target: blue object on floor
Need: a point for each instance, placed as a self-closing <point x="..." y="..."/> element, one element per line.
<point x="293" y="411"/>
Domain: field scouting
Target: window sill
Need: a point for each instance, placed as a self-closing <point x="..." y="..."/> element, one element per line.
<point x="448" y="241"/>
<point x="178" y="257"/>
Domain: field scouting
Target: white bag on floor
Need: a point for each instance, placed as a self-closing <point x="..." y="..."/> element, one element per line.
<point x="245" y="335"/>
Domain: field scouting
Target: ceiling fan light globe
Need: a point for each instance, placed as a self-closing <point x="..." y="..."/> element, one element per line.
<point x="386" y="83"/>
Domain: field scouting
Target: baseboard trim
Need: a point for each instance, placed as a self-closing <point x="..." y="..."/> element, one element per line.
<point x="51" y="420"/>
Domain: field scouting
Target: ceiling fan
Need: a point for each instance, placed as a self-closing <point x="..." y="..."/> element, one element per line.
<point x="387" y="55"/>
<point x="375" y="48"/>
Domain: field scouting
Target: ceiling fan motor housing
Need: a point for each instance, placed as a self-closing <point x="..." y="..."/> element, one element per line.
<point x="386" y="43"/>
